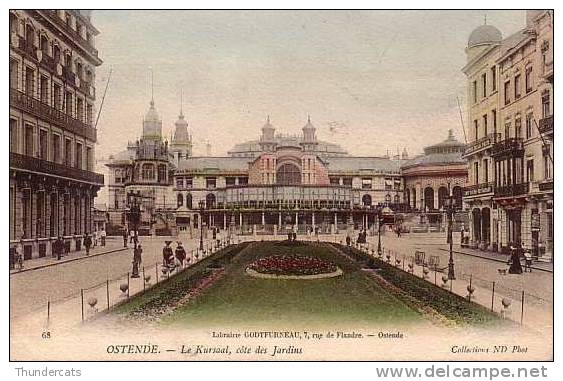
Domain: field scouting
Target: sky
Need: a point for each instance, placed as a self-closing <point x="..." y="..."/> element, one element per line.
<point x="372" y="81"/>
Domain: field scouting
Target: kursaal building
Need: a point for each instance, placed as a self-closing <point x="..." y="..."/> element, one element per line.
<point x="276" y="183"/>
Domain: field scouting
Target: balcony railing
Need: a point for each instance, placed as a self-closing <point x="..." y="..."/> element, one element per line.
<point x="546" y="125"/>
<point x="508" y="147"/>
<point x="478" y="189"/>
<point x="546" y="185"/>
<point x="482" y="143"/>
<point x="34" y="164"/>
<point x="87" y="45"/>
<point x="44" y="111"/>
<point x="512" y="190"/>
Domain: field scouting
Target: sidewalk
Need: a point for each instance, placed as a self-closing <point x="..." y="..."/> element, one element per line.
<point x="498" y="257"/>
<point x="112" y="245"/>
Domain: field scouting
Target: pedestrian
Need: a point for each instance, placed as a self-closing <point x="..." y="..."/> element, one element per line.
<point x="180" y="253"/>
<point x="294" y="236"/>
<point x="95" y="238"/>
<point x="167" y="254"/>
<point x="137" y="259"/>
<point x="515" y="265"/>
<point x="214" y="233"/>
<point x="528" y="261"/>
<point x="124" y="238"/>
<point x="103" y="237"/>
<point x="348" y="240"/>
<point x="59" y="247"/>
<point x="87" y="243"/>
<point x="19" y="256"/>
<point x="131" y="236"/>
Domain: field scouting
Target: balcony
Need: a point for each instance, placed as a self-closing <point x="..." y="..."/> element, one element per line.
<point x="478" y="189"/>
<point x="34" y="164"/>
<point x="85" y="44"/>
<point x="546" y="125"/>
<point x="512" y="147"/>
<point x="44" y="111"/>
<point x="481" y="144"/>
<point x="512" y="190"/>
<point x="548" y="71"/>
<point x="546" y="186"/>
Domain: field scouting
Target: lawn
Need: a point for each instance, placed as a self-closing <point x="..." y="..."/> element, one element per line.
<point x="233" y="298"/>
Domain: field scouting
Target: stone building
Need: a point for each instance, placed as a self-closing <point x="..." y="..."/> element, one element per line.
<point x="52" y="132"/>
<point x="431" y="177"/>
<point x="510" y="150"/>
<point x="281" y="182"/>
<point x="144" y="170"/>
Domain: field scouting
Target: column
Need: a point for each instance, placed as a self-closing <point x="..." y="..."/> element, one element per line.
<point x="279" y="219"/>
<point x="313" y="220"/>
<point x="240" y="219"/>
<point x="263" y="219"/>
<point x="224" y="221"/>
<point x="435" y="198"/>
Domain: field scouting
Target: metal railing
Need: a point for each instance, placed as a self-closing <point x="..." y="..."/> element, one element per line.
<point x="512" y="190"/>
<point x="510" y="146"/>
<point x="34" y="164"/>
<point x="43" y="110"/>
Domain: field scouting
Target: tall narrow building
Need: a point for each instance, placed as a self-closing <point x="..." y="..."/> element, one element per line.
<point x="52" y="133"/>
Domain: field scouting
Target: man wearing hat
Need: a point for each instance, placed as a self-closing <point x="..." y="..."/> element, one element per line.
<point x="167" y="254"/>
<point x="180" y="253"/>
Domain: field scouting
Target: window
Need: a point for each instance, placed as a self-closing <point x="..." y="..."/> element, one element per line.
<point x="517" y="86"/>
<point x="29" y="81"/>
<point x="243" y="180"/>
<point x="56" y="148"/>
<point x="388" y="184"/>
<point x="507" y="92"/>
<point x="44" y="45"/>
<point x="56" y="96"/>
<point x="545" y="104"/>
<point x="474" y="91"/>
<point x="476" y="128"/>
<point x="189" y="182"/>
<point x="78" y="157"/>
<point x="68" y="152"/>
<point x="14" y="68"/>
<point x="506" y="131"/>
<point x="79" y="109"/>
<point x="546" y="165"/>
<point x="494" y="117"/>
<point x="288" y="174"/>
<point x="530" y="170"/>
<point x="162" y="173"/>
<point x="43" y="144"/>
<point x="518" y="128"/>
<point x="494" y="78"/>
<point x="529" y="125"/>
<point x="44" y="89"/>
<point x="476" y="172"/>
<point x="366" y="183"/>
<point x="147" y="171"/>
<point x="347" y="181"/>
<point x="334" y="181"/>
<point x="89" y="115"/>
<point x="485" y="127"/>
<point x="230" y="181"/>
<point x="13" y="135"/>
<point x="179" y="182"/>
<point x="56" y="54"/>
<point x="28" y="141"/>
<point x="484" y="82"/>
<point x="485" y="170"/>
<point x="89" y="159"/>
<point x="180" y="199"/>
<point x="68" y="103"/>
<point x="210" y="182"/>
<point x="529" y="79"/>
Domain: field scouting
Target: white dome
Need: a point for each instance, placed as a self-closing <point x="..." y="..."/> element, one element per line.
<point x="484" y="35"/>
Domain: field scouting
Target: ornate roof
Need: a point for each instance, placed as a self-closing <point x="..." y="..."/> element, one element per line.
<point x="484" y="35"/>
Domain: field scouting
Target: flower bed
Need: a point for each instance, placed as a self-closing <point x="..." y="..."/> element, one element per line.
<point x="292" y="265"/>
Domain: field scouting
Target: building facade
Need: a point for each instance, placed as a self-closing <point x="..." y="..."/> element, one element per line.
<point x="52" y="133"/>
<point x="510" y="150"/>
<point x="433" y="176"/>
<point x="285" y="182"/>
<point x="144" y="170"/>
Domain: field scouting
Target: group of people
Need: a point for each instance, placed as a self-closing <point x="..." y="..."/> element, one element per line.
<point x="362" y="237"/>
<point x="178" y="257"/>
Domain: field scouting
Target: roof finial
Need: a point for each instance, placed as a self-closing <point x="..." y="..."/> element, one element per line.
<point x="268" y="119"/>
<point x="308" y="118"/>
<point x="152" y="86"/>
<point x="181" y="103"/>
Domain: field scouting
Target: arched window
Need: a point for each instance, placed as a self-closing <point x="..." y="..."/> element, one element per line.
<point x="44" y="44"/>
<point x="180" y="200"/>
<point x="79" y="71"/>
<point x="210" y="201"/>
<point x="29" y="35"/>
<point x="388" y="198"/>
<point x="397" y="199"/>
<point x="288" y="174"/>
<point x="189" y="201"/>
<point x="429" y="198"/>
<point x="366" y="200"/>
<point x="147" y="171"/>
<point x="442" y="196"/>
<point x="57" y="54"/>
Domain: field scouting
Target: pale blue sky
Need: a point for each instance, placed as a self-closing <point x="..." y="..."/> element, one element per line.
<point x="385" y="78"/>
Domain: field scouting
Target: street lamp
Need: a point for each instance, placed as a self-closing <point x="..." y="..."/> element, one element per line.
<point x="450" y="210"/>
<point x="201" y="208"/>
<point x="134" y="217"/>
<point x="379" y="211"/>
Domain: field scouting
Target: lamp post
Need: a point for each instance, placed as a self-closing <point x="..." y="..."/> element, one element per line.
<point x="134" y="220"/>
<point x="450" y="210"/>
<point x="379" y="210"/>
<point x="201" y="208"/>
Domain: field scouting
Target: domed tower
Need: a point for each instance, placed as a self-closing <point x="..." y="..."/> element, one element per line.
<point x="309" y="136"/>
<point x="267" y="140"/>
<point x="181" y="145"/>
<point x="481" y="39"/>
<point x="152" y="125"/>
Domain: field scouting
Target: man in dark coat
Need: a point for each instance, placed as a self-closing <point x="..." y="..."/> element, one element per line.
<point x="87" y="243"/>
<point x="167" y="254"/>
<point x="515" y="265"/>
<point x="180" y="254"/>
<point x="124" y="238"/>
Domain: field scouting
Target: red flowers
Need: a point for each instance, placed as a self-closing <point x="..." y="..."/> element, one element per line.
<point x="292" y="265"/>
